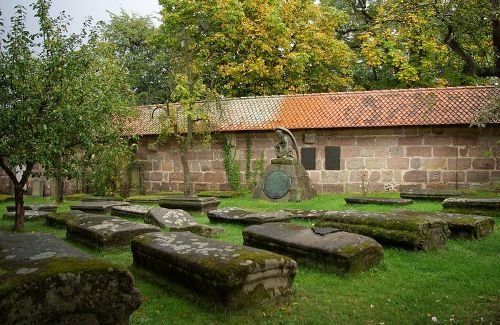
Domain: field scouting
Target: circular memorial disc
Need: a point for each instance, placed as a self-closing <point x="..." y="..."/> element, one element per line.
<point x="277" y="184"/>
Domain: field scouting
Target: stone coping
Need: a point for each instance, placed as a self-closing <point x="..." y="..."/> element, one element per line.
<point x="98" y="231"/>
<point x="341" y="251"/>
<point x="377" y="200"/>
<point x="229" y="274"/>
<point x="43" y="280"/>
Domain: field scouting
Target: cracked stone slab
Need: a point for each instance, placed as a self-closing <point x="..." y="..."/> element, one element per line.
<point x="179" y="220"/>
<point x="237" y="215"/>
<point x="201" y="204"/>
<point x="473" y="205"/>
<point x="429" y="194"/>
<point x="341" y="251"/>
<point x="232" y="275"/>
<point x="101" y="207"/>
<point x="35" y="207"/>
<point x="43" y="280"/>
<point x="414" y="232"/>
<point x="99" y="231"/>
<point x="377" y="200"/>
<point x="130" y="211"/>
<point x="29" y="215"/>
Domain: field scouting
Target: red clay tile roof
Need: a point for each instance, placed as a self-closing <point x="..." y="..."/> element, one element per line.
<point x="384" y="108"/>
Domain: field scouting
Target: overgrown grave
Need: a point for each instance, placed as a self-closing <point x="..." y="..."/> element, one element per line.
<point x="473" y="205"/>
<point x="231" y="275"/>
<point x="43" y="280"/>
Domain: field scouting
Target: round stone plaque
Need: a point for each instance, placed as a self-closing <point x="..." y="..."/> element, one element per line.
<point x="277" y="184"/>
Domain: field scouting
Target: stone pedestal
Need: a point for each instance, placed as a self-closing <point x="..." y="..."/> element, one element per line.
<point x="285" y="180"/>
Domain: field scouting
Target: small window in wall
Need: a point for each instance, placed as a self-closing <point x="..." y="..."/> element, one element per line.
<point x="332" y="158"/>
<point x="308" y="158"/>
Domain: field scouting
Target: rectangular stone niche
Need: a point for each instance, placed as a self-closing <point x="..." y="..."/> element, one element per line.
<point x="231" y="275"/>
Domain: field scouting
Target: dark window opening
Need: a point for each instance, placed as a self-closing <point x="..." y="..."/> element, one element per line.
<point x="332" y="158"/>
<point x="308" y="158"/>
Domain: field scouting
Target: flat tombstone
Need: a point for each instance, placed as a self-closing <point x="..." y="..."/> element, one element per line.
<point x="474" y="205"/>
<point x="97" y="231"/>
<point x="60" y="219"/>
<point x="229" y="274"/>
<point x="304" y="214"/>
<point x="29" y="215"/>
<point x="100" y="207"/>
<point x="428" y="194"/>
<point x="43" y="280"/>
<point x="178" y="220"/>
<point x="377" y="200"/>
<point x="35" y="207"/>
<point x="236" y="215"/>
<point x="201" y="204"/>
<point x="91" y="198"/>
<point x="130" y="211"/>
<point x="341" y="251"/>
<point x="411" y="232"/>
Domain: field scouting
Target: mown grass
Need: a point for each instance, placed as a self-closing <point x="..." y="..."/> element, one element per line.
<point x="457" y="285"/>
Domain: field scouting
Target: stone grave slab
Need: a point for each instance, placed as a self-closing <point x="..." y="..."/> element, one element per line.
<point x="179" y="220"/>
<point x="410" y="232"/>
<point x="29" y="215"/>
<point x="473" y="205"/>
<point x="60" y="219"/>
<point x="101" y="207"/>
<point x="98" y="231"/>
<point x="229" y="274"/>
<point x="428" y="194"/>
<point x="188" y="203"/>
<point x="91" y="198"/>
<point x="465" y="226"/>
<point x="237" y="215"/>
<point x="127" y="211"/>
<point x="43" y="280"/>
<point x="377" y="200"/>
<point x="35" y="207"/>
<point x="305" y="214"/>
<point x="341" y="251"/>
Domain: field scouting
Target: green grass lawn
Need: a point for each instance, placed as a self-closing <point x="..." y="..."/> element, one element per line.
<point x="457" y="285"/>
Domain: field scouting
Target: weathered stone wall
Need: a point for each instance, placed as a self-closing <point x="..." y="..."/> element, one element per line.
<point x="372" y="159"/>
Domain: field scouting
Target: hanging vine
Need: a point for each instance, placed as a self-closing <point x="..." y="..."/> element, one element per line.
<point x="231" y="165"/>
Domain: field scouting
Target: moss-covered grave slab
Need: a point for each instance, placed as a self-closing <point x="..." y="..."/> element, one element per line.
<point x="43" y="280"/>
<point x="98" y="231"/>
<point x="340" y="251"/>
<point x="410" y="232"/>
<point x="428" y="194"/>
<point x="377" y="200"/>
<point x="35" y="207"/>
<point x="127" y="211"/>
<point x="229" y="274"/>
<point x="190" y="203"/>
<point x="237" y="215"/>
<point x="94" y="198"/>
<point x="60" y="219"/>
<point x="473" y="205"/>
<point x="464" y="226"/>
<point x="100" y="207"/>
<point x="179" y="220"/>
<point x="29" y="215"/>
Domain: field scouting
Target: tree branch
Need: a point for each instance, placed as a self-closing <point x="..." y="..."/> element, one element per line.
<point x="7" y="170"/>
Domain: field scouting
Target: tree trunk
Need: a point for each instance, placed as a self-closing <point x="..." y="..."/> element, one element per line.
<point x="59" y="189"/>
<point x="19" y="199"/>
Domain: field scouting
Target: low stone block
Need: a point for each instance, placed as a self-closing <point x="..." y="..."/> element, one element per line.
<point x="35" y="207"/>
<point x="91" y="198"/>
<point x="127" y="211"/>
<point x="229" y="274"/>
<point x="43" y="280"/>
<point x="341" y="251"/>
<point x="60" y="219"/>
<point x="304" y="214"/>
<point x="201" y="204"/>
<point x="97" y="231"/>
<point x="236" y="215"/>
<point x="179" y="220"/>
<point x="29" y="215"/>
<point x="473" y="205"/>
<point x="410" y="232"/>
<point x="428" y="194"/>
<point x="377" y="200"/>
<point x="100" y="207"/>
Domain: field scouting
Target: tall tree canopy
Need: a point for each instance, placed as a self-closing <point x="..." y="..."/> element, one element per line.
<point x="61" y="96"/>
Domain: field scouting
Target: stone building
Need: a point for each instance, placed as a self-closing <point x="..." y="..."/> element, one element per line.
<point x="366" y="141"/>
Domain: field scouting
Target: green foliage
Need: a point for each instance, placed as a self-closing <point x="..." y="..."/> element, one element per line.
<point x="231" y="165"/>
<point x="258" y="170"/>
<point x="248" y="163"/>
